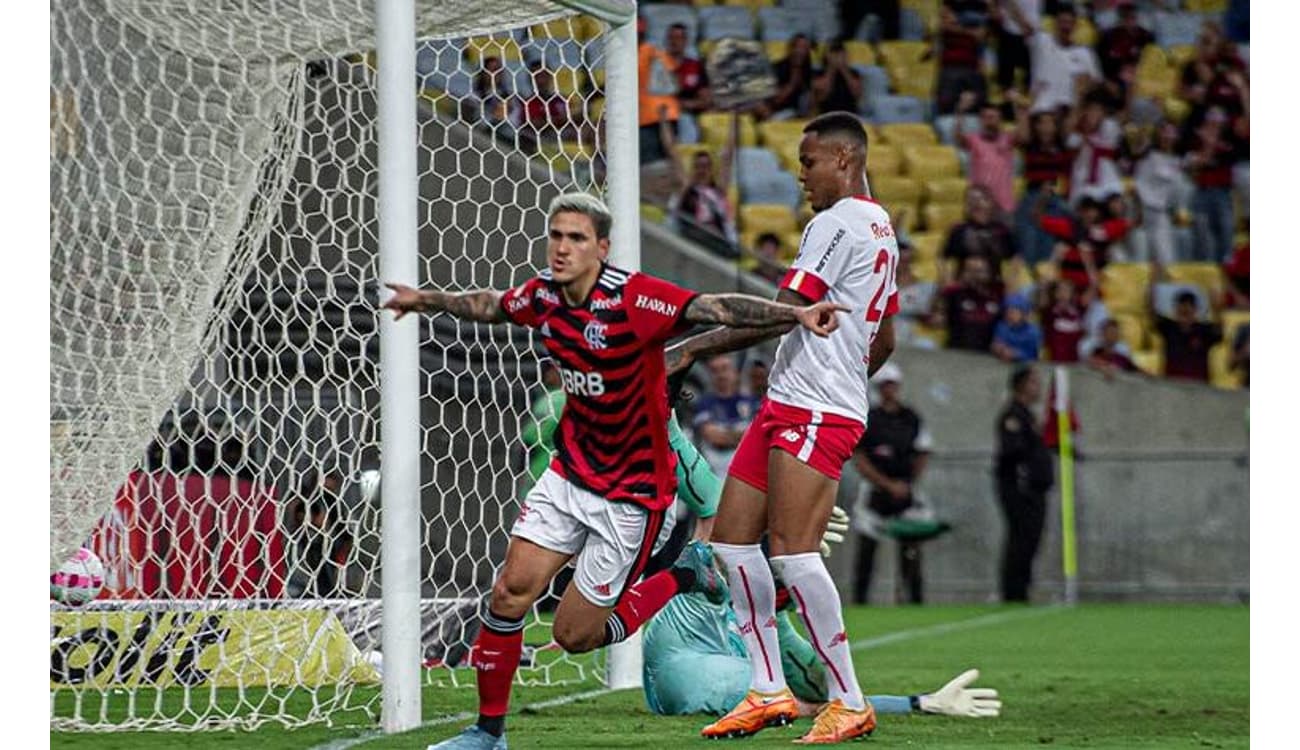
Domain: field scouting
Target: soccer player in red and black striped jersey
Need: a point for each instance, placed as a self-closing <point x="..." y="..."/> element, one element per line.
<point x="604" y="497"/>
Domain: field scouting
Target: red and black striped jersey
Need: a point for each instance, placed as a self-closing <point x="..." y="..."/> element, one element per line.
<point x="612" y="439"/>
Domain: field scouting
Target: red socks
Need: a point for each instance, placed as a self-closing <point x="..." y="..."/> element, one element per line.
<point x="640" y="603"/>
<point x="495" y="657"/>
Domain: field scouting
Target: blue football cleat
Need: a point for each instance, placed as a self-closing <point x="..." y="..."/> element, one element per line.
<point x="472" y="738"/>
<point x="698" y="558"/>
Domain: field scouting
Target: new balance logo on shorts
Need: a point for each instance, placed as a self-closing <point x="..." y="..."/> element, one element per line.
<point x="771" y="622"/>
<point x="602" y="589"/>
<point x="791" y="436"/>
<point x="837" y="639"/>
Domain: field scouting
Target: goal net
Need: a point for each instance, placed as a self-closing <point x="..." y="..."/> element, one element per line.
<point x="214" y="398"/>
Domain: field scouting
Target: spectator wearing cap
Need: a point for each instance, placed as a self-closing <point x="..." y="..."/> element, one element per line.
<point x="1187" y="340"/>
<point x="693" y="93"/>
<point x="992" y="150"/>
<point x="722" y="413"/>
<point x="960" y="49"/>
<point x="970" y="309"/>
<point x="890" y="457"/>
<point x="1058" y="64"/>
<point x="1016" y="338"/>
<point x="838" y="87"/>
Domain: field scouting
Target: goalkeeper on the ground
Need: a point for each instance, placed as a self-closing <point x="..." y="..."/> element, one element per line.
<point x="697" y="634"/>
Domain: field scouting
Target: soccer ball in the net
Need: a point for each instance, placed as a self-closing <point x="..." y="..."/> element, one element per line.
<point x="79" y="580"/>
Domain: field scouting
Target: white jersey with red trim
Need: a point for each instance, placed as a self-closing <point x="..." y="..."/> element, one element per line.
<point x="848" y="255"/>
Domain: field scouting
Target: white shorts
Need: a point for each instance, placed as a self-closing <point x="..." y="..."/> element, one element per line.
<point x="613" y="541"/>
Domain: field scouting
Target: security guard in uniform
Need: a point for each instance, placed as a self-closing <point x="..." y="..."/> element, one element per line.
<point x="1024" y="475"/>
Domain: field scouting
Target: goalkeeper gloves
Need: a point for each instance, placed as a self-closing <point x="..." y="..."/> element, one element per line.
<point x="836" y="527"/>
<point x="955" y="699"/>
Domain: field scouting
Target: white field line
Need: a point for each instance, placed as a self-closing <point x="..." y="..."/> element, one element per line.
<point x="897" y="636"/>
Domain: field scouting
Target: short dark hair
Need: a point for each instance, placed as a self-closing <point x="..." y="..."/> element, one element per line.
<point x="839" y="123"/>
<point x="1186" y="296"/>
<point x="678" y="25"/>
<point x="1020" y="376"/>
<point x="767" y="237"/>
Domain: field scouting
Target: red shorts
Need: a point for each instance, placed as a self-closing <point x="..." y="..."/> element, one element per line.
<point x="822" y="440"/>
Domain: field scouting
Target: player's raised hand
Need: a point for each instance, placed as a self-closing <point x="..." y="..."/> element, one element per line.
<point x="821" y="318"/>
<point x="404" y="300"/>
<point x="956" y="699"/>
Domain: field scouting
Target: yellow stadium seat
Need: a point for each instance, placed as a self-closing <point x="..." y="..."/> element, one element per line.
<point x="788" y="154"/>
<point x="751" y="4"/>
<point x="1233" y="320"/>
<point x="1177" y="109"/>
<point x="1015" y="275"/>
<point x="767" y="217"/>
<point x="503" y="47"/>
<point x="940" y="217"/>
<point x="859" y="52"/>
<point x="929" y="162"/>
<point x="1205" y="6"/>
<point x="715" y="128"/>
<point x="557" y="29"/>
<point x="568" y="81"/>
<point x="1157" y="83"/>
<point x="937" y="335"/>
<point x="774" y="132"/>
<point x="883" y="160"/>
<point x="1084" y="32"/>
<point x="925" y="270"/>
<point x="651" y="212"/>
<point x="917" y="79"/>
<point x="1207" y="276"/>
<point x="1220" y="375"/>
<point x="776" y="51"/>
<point x="926" y="246"/>
<point x="1124" y="287"/>
<point x="945" y="190"/>
<point x="1132" y="329"/>
<point x="903" y="52"/>
<point x="1153" y="56"/>
<point x="1150" y="361"/>
<point x="893" y="191"/>
<point x="705" y="46"/>
<point x="908" y="133"/>
<point x="790" y="246"/>
<point x="1181" y="54"/>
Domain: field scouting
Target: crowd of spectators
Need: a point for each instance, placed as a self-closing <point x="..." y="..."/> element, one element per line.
<point x="1084" y="145"/>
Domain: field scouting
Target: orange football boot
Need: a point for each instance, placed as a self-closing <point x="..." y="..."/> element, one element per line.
<point x="835" y="724"/>
<point x="756" y="712"/>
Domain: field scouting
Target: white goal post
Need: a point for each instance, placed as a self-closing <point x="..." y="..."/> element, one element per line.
<point x="231" y="183"/>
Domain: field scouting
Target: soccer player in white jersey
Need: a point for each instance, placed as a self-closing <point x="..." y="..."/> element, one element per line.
<point x="786" y="470"/>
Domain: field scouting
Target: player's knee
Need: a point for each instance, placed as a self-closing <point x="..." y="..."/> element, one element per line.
<point x="577" y="639"/>
<point x="510" y="598"/>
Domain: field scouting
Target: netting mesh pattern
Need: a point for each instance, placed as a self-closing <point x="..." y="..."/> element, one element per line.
<point x="214" y="350"/>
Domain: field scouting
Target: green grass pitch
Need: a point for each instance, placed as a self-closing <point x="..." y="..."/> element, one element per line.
<point x="1097" y="676"/>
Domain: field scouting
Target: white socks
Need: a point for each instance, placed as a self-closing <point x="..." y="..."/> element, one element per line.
<point x="753" y="596"/>
<point x="814" y="593"/>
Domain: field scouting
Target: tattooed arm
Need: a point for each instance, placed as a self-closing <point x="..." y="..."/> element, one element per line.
<point x="482" y="305"/>
<point x="726" y="339"/>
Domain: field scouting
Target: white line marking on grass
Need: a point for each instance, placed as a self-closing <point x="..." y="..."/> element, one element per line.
<point x="897" y="636"/>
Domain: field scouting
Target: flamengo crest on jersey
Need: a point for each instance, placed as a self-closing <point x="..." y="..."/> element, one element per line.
<point x="848" y="255"/>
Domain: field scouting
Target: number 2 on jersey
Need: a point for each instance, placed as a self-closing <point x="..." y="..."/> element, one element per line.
<point x="876" y="310"/>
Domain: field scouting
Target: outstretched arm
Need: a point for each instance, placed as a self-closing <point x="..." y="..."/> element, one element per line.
<point x="482" y="305"/>
<point x="723" y="340"/>
<point x="748" y="311"/>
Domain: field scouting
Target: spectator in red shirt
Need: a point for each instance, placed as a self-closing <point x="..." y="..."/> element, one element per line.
<point x="971" y="308"/>
<point x="982" y="234"/>
<point x="1111" y="354"/>
<point x="1187" y="340"/>
<point x="960" y="47"/>
<point x="992" y="151"/>
<point x="1120" y="47"/>
<point x="1047" y="163"/>
<point x="1207" y="80"/>
<point x="1084" y="241"/>
<point x="693" y="82"/>
<point x="1062" y="312"/>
